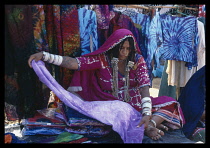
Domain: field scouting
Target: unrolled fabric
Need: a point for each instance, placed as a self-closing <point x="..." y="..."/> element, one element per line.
<point x="120" y="115"/>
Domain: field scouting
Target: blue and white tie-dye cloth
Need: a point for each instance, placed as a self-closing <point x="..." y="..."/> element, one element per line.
<point x="88" y="30"/>
<point x="180" y="39"/>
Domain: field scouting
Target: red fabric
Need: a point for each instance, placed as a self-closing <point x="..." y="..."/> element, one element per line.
<point x="63" y="27"/>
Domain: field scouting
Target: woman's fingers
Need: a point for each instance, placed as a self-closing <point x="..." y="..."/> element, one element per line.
<point x="36" y="57"/>
<point x="29" y="61"/>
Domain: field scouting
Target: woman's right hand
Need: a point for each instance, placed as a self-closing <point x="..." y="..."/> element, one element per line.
<point x="37" y="56"/>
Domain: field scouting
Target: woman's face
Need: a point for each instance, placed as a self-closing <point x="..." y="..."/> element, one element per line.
<point x="124" y="51"/>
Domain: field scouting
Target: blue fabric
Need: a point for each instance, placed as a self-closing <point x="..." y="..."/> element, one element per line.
<point x="192" y="101"/>
<point x="158" y="71"/>
<point x="88" y="29"/>
<point x="155" y="40"/>
<point x="180" y="39"/>
<point x="144" y="21"/>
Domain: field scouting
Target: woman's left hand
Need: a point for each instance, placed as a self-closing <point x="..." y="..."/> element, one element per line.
<point x="145" y="121"/>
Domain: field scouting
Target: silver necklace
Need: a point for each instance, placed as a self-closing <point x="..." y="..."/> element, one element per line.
<point x="115" y="88"/>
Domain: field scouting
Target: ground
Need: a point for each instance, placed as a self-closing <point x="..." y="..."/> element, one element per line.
<point x="155" y="87"/>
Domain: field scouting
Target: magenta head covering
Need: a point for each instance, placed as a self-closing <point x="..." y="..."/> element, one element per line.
<point x="114" y="39"/>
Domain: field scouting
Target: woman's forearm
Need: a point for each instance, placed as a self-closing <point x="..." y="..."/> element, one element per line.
<point x="145" y="92"/>
<point x="70" y="63"/>
<point x="63" y="61"/>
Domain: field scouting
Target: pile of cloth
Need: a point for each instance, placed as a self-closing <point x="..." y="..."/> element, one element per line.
<point x="65" y="125"/>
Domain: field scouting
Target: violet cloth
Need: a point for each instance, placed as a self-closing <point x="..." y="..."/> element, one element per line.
<point x="124" y="119"/>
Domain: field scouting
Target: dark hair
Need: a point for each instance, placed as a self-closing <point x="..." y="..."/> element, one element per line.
<point x="114" y="52"/>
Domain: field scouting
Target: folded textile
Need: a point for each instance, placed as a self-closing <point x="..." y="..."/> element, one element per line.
<point x="41" y="120"/>
<point x="90" y="131"/>
<point x="42" y="125"/>
<point x="39" y="130"/>
<point x="81" y="124"/>
<point x="66" y="137"/>
<point x="74" y="118"/>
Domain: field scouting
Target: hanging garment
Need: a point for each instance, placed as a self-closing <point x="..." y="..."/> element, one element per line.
<point x="40" y="34"/>
<point x="88" y="30"/>
<point x="202" y="11"/>
<point x="19" y="22"/>
<point x="180" y="36"/>
<point x="104" y="14"/>
<point x="165" y="89"/>
<point x="66" y="24"/>
<point x="201" y="49"/>
<point x="144" y="21"/>
<point x="178" y="74"/>
<point x="155" y="40"/>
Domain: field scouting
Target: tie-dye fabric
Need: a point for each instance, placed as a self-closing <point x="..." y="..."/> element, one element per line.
<point x="88" y="30"/>
<point x="144" y="21"/>
<point x="155" y="40"/>
<point x="180" y="39"/>
<point x="40" y="33"/>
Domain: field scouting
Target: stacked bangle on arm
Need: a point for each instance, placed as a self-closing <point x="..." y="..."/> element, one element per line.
<point x="146" y="106"/>
<point x="52" y="58"/>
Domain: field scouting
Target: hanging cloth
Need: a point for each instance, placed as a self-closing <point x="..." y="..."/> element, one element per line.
<point x="66" y="23"/>
<point x="20" y="33"/>
<point x="155" y="40"/>
<point x="180" y="39"/>
<point x="144" y="21"/>
<point x="88" y="30"/>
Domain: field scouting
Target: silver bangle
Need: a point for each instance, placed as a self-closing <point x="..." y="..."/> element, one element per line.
<point x="51" y="58"/>
<point x="147" y="114"/>
<point x="145" y="99"/>
<point x="57" y="60"/>
<point x="147" y="105"/>
<point x="154" y="123"/>
<point x="46" y="57"/>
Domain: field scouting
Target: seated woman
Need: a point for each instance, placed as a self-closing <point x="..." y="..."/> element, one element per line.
<point x="117" y="71"/>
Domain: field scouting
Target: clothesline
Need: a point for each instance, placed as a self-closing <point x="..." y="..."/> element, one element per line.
<point x="150" y="7"/>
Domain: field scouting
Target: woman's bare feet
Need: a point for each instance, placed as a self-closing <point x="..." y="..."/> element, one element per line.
<point x="153" y="132"/>
<point x="163" y="127"/>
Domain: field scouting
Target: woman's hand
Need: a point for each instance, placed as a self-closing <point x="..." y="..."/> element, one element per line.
<point x="145" y="121"/>
<point x="37" y="56"/>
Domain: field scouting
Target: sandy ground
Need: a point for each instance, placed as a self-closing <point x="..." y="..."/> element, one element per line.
<point x="155" y="87"/>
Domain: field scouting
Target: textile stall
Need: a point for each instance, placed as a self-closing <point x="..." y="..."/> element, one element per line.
<point x="171" y="39"/>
